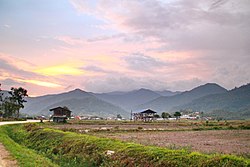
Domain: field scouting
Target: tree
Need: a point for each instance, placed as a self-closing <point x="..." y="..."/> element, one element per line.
<point x="1" y="102"/>
<point x="165" y="115"/>
<point x="177" y="114"/>
<point x="1" y="95"/>
<point x="156" y="116"/>
<point x="119" y="116"/>
<point x="17" y="99"/>
<point x="9" y="107"/>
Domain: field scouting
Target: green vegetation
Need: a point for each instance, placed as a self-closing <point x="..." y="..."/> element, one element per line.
<point x="25" y="157"/>
<point x="72" y="149"/>
<point x="233" y="104"/>
<point x="165" y="115"/>
<point x="177" y="114"/>
<point x="11" y="104"/>
<point x="242" y="114"/>
<point x="12" y="119"/>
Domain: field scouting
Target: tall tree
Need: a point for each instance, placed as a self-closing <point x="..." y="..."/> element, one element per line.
<point x="9" y="107"/>
<point x="17" y="98"/>
<point x="1" y="95"/>
<point x="1" y="102"/>
<point x="177" y="114"/>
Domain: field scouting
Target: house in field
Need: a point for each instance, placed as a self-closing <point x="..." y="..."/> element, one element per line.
<point x="145" y="115"/>
<point x="60" y="114"/>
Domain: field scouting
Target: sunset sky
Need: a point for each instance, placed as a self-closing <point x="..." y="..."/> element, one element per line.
<point x="52" y="46"/>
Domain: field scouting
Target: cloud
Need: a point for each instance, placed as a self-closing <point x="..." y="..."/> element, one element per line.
<point x="10" y="65"/>
<point x="69" y="40"/>
<point x="12" y="74"/>
<point x="216" y="32"/>
<point x="70" y="87"/>
<point x="60" y="70"/>
<point x="11" y="82"/>
<point x="40" y="83"/>
<point x="139" y="61"/>
<point x="7" y="26"/>
<point x="127" y="83"/>
<point x="233" y="75"/>
<point x="103" y="38"/>
<point x="95" y="69"/>
<point x="122" y="82"/>
<point x="184" y="85"/>
<point x="119" y="45"/>
<point x="178" y="24"/>
<point x="217" y="3"/>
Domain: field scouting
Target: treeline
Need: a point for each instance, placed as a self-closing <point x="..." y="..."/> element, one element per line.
<point x="11" y="102"/>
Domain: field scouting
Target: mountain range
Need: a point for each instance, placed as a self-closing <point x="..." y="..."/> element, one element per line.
<point x="128" y="100"/>
<point x="168" y="104"/>
<point x="78" y="101"/>
<point x="233" y="100"/>
<point x="210" y="97"/>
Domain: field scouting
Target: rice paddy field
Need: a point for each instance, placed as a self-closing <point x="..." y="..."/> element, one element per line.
<point x="226" y="137"/>
<point x="127" y="143"/>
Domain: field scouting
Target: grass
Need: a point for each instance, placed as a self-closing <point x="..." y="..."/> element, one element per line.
<point x="24" y="156"/>
<point x="72" y="149"/>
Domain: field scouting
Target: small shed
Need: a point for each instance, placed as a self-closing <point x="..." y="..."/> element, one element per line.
<point x="60" y="114"/>
<point x="145" y="115"/>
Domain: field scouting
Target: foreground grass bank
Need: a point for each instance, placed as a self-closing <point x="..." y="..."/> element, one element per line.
<point x="72" y="149"/>
<point x="24" y="156"/>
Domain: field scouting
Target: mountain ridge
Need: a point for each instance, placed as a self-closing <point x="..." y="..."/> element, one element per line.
<point x="166" y="104"/>
<point x="233" y="100"/>
<point x="201" y="98"/>
<point x="42" y="104"/>
<point x="129" y="99"/>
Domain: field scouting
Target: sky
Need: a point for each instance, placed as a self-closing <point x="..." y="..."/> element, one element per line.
<point x="52" y="46"/>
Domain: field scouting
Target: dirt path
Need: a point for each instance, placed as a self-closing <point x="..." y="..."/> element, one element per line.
<point x="6" y="160"/>
<point x="18" y="122"/>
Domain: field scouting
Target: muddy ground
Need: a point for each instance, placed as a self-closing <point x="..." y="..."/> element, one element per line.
<point x="212" y="141"/>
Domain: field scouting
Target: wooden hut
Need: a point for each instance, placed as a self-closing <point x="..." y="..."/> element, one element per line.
<point x="60" y="114"/>
<point x="145" y="115"/>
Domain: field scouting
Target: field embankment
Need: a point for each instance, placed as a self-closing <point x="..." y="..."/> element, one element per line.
<point x="72" y="149"/>
<point x="24" y="156"/>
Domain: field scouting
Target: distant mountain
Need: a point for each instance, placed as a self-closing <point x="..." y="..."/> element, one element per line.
<point x="168" y="103"/>
<point x="114" y="93"/>
<point x="209" y="98"/>
<point x="168" y="93"/>
<point x="233" y="100"/>
<point x="78" y="101"/>
<point x="128" y="100"/>
<point x="229" y="115"/>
